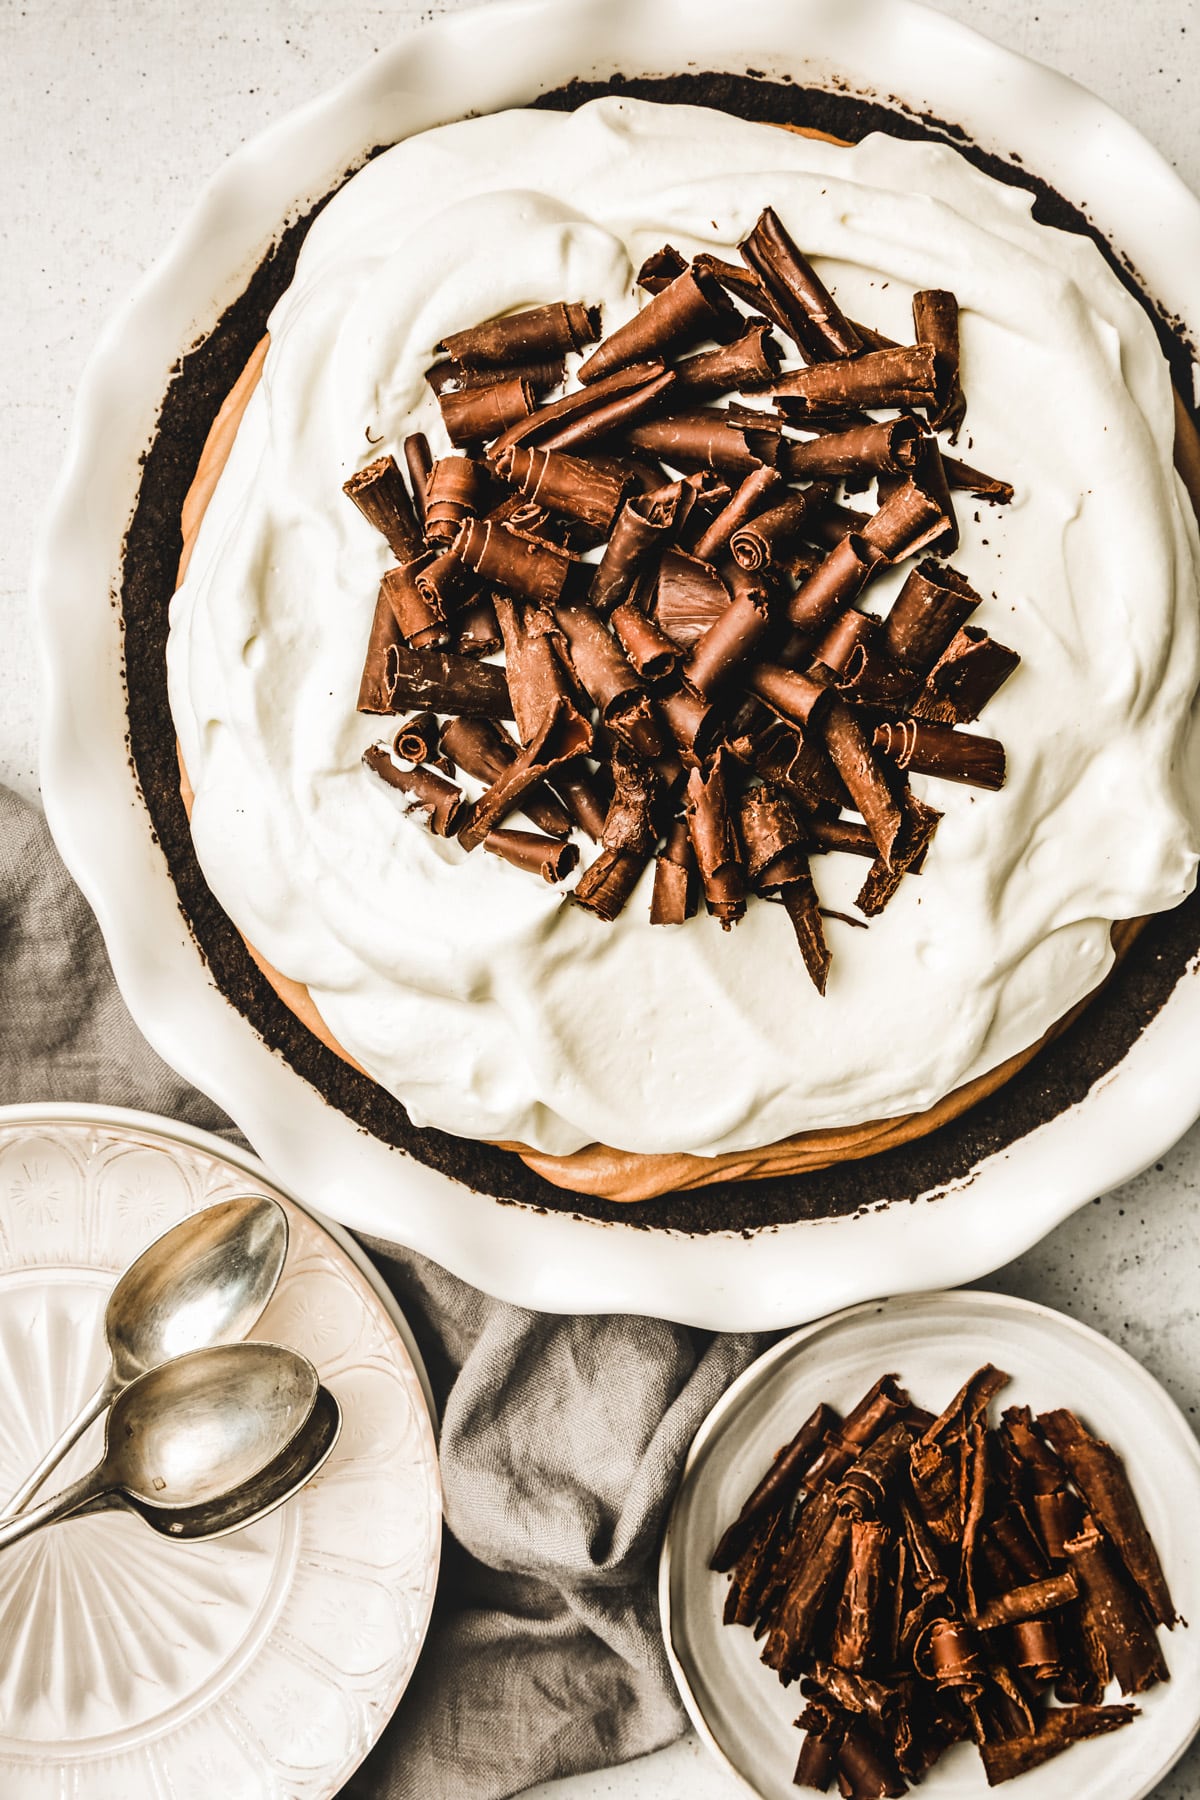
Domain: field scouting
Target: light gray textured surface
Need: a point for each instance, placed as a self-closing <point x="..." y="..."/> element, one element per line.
<point x="116" y="110"/>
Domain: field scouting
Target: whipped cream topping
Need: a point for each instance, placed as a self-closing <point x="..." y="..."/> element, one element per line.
<point x="478" y="995"/>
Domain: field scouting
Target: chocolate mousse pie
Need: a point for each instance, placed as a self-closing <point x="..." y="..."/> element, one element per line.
<point x="685" y="661"/>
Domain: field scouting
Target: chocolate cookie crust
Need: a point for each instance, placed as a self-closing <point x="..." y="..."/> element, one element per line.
<point x="1058" y="1077"/>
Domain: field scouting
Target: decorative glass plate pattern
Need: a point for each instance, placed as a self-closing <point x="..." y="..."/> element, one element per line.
<point x="262" y="1666"/>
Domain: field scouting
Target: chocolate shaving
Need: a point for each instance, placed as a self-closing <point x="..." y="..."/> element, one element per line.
<point x="416" y="741"/>
<point x="773" y="839"/>
<point x="418" y="460"/>
<point x="1007" y="1758"/>
<point x="692" y="306"/>
<point x="842" y="834"/>
<point x="861" y="1607"/>
<point x="889" y="444"/>
<point x="380" y="495"/>
<point x="543" y="331"/>
<point x="424" y="790"/>
<point x="653" y="654"/>
<point x="718" y="853"/>
<point x="646" y="522"/>
<point x="769" y="536"/>
<point x="526" y="566"/>
<point x="799" y="900"/>
<point x="779" y="1485"/>
<point x="485" y="750"/>
<point x="706" y="440"/>
<point x="541" y="375"/>
<point x="477" y="629"/>
<point x="935" y="322"/>
<point x="732" y="638"/>
<point x="929" y="749"/>
<point x="927" y="612"/>
<point x="545" y="856"/>
<point x="909" y="521"/>
<point x="608" y="677"/>
<point x="744" y="503"/>
<point x="1101" y="1478"/>
<point x="799" y="296"/>
<point x="472" y="414"/>
<point x="374" y="692"/>
<point x="796" y="697"/>
<point x="660" y="269"/>
<point x="838" y="580"/>
<point x="453" y="493"/>
<point x="689" y="598"/>
<point x="444" y="582"/>
<point x="672" y="903"/>
<point x="567" y="484"/>
<point x="693" y="722"/>
<point x="437" y="681"/>
<point x="750" y="362"/>
<point x="562" y="735"/>
<point x="900" y="377"/>
<point x="607" y="884"/>
<point x="969" y="671"/>
<point x="536" y="675"/>
<point x="1033" y="1601"/>
<point x="418" y="614"/>
<point x="984" y="487"/>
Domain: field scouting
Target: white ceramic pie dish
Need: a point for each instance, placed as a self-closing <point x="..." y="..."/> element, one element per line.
<point x="493" y="57"/>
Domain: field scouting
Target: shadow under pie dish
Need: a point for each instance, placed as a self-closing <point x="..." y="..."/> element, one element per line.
<point x="723" y="1077"/>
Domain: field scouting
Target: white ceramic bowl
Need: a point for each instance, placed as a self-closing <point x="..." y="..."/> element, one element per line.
<point x="492" y="57"/>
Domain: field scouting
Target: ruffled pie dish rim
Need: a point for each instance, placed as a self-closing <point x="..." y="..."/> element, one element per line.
<point x="854" y="1176"/>
<point x="705" y="1272"/>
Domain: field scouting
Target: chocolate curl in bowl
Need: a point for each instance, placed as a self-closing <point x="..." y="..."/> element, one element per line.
<point x="940" y="750"/>
<point x="673" y="900"/>
<point x="714" y="839"/>
<point x="689" y="598"/>
<point x="454" y="491"/>
<point x="562" y="736"/>
<point x="1006" y="1758"/>
<point x="809" y="1593"/>
<point x="927" y="612"/>
<point x="866" y="1769"/>
<point x="545" y="856"/>
<point x="781" y="1483"/>
<point x="1101" y="1477"/>
<point x="601" y="410"/>
<point x="969" y="671"/>
<point x="935" y="322"/>
<point x="707" y="440"/>
<point x="380" y="495"/>
<point x="526" y="566"/>
<point x="418" y="615"/>
<point x="816" y="1764"/>
<point x="471" y="415"/>
<point x="799" y="296"/>
<point x="610" y="680"/>
<point x="563" y="483"/>
<point x="1118" y="1634"/>
<point x="645" y="523"/>
<point x="749" y="499"/>
<point x="936" y="1463"/>
<point x="423" y="790"/>
<point x="485" y="750"/>
<point x="1032" y="1601"/>
<point x="888" y="445"/>
<point x="628" y="839"/>
<point x="862" y="1603"/>
<point x="768" y="536"/>
<point x="540" y="332"/>
<point x="690" y="307"/>
<point x="733" y="637"/>
<point x="747" y="364"/>
<point x="900" y="377"/>
<point x="660" y="269"/>
<point x="653" y="654"/>
<point x="833" y="584"/>
<point x="418" y="460"/>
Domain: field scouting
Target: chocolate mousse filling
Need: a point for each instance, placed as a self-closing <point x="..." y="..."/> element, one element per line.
<point x="1059" y="1076"/>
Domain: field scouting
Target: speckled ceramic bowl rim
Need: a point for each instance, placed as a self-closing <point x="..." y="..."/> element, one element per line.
<point x="480" y="60"/>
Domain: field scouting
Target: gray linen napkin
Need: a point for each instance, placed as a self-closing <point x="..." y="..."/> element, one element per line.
<point x="561" y="1440"/>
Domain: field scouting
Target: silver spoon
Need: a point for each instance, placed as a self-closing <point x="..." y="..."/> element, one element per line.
<point x="205" y="1281"/>
<point x="293" y="1469"/>
<point x="188" y="1433"/>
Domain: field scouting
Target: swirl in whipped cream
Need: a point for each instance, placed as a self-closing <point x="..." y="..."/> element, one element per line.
<point x="479" y="997"/>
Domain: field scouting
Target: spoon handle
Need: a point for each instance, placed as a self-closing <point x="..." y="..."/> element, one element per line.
<point x="92" y="1409"/>
<point x="96" y="1481"/>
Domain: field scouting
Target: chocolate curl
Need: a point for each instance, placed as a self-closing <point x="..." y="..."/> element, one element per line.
<point x="691" y="306"/>
<point x="936" y="1464"/>
<point x="610" y="680"/>
<point x="478" y="632"/>
<point x="862" y="1602"/>
<point x="865" y="1769"/>
<point x="536" y="571"/>
<point x="742" y="367"/>
<point x="562" y="735"/>
<point x="1035" y="1650"/>
<point x="529" y="850"/>
<point x="773" y="839"/>
<point x="416" y="741"/>
<point x="929" y="609"/>
<point x="689" y="598"/>
<point x="800" y="766"/>
<point x="909" y="521"/>
<point x="744" y="284"/>
<point x="769" y="536"/>
<point x="1006" y="1758"/>
<point x="692" y="722"/>
<point x="948" y="1654"/>
<point x="796" y="697"/>
<point x="672" y="903"/>
<point x="900" y="377"/>
<point x="374" y="691"/>
<point x="817" y="1761"/>
<point x="803" y="908"/>
<point x="424" y="790"/>
<point x="485" y="750"/>
<point x="888" y="444"/>
<point x="753" y="1571"/>
<point x="966" y="675"/>
<point x="715" y="842"/>
<point x="577" y="789"/>
<point x="536" y="676"/>
<point x="473" y="414"/>
<point x="835" y="583"/>
<point x="842" y="834"/>
<point x="757" y="486"/>
<point x="437" y="681"/>
<point x="418" y="615"/>
<point x="808" y="1597"/>
<point x="880" y="1407"/>
<point x="940" y="750"/>
<point x="707" y="440"/>
<point x="628" y="838"/>
<point x="606" y="885"/>
<point x="935" y="322"/>
<point x="1031" y="1602"/>
<point x="864" y="1489"/>
<point x="418" y="460"/>
<point x="444" y="582"/>
<point x="452" y="494"/>
<point x="930" y="476"/>
<point x="661" y="268"/>
<point x="541" y="375"/>
<point x="1101" y="1478"/>
<point x="883" y="878"/>
<point x="866" y="781"/>
<point x="959" y="475"/>
<point x="870" y="677"/>
<point x="800" y="298"/>
<point x="565" y="484"/>
<point x="593" y="411"/>
<point x="731" y="639"/>
<point x="653" y="654"/>
<point x="543" y="331"/>
<point x="380" y="495"/>
<point x="645" y="523"/>
<point x="779" y="1485"/>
